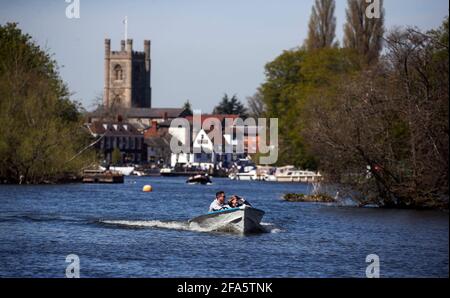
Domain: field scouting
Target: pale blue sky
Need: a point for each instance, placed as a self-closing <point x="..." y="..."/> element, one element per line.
<point x="200" y="48"/>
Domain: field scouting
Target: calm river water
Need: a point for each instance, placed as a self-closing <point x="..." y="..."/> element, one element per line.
<point x="119" y="231"/>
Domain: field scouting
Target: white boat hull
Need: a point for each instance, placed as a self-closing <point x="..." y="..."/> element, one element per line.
<point x="309" y="178"/>
<point x="247" y="177"/>
<point x="243" y="220"/>
<point x="244" y="177"/>
<point x="126" y="171"/>
<point x="305" y="179"/>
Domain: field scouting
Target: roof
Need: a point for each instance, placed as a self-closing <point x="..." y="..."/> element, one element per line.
<point x="221" y="117"/>
<point x="151" y="113"/>
<point x="112" y="129"/>
<point x="155" y="112"/>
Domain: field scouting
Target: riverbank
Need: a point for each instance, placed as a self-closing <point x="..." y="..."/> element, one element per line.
<point x="425" y="204"/>
<point x="66" y="179"/>
<point x="312" y="198"/>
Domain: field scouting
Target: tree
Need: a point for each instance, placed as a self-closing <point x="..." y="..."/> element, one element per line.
<point x="187" y="106"/>
<point x="111" y="112"/>
<point x="322" y="25"/>
<point x="116" y="157"/>
<point x="230" y="107"/>
<point x="364" y="34"/>
<point x="384" y="133"/>
<point x="256" y="105"/>
<point x="291" y="80"/>
<point x="40" y="127"/>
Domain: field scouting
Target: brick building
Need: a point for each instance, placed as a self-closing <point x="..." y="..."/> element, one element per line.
<point x="119" y="135"/>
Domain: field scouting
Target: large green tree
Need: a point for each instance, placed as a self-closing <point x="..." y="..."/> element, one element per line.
<point x="384" y="132"/>
<point x="40" y="128"/>
<point x="291" y="80"/>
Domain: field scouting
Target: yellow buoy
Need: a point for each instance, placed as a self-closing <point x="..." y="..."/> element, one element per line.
<point x="147" y="188"/>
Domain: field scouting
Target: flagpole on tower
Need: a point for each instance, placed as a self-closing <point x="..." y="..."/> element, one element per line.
<point x="125" y="22"/>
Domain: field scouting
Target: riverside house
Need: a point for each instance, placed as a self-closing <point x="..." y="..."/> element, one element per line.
<point x="123" y="136"/>
<point x="204" y="153"/>
<point x="157" y="139"/>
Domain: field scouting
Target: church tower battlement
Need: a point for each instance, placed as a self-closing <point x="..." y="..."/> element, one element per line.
<point x="127" y="76"/>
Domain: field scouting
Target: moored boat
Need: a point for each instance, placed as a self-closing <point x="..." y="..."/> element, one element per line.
<point x="170" y="172"/>
<point x="199" y="179"/>
<point x="290" y="174"/>
<point x="253" y="175"/>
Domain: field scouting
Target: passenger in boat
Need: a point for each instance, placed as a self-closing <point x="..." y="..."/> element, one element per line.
<point x="236" y="202"/>
<point x="233" y="202"/>
<point x="219" y="202"/>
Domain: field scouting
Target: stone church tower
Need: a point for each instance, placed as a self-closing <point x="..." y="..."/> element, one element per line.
<point x="127" y="76"/>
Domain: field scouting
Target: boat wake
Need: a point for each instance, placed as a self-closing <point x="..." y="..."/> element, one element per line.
<point x="172" y="225"/>
<point x="271" y="228"/>
<point x="177" y="225"/>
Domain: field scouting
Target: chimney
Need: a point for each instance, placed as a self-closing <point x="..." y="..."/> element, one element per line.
<point x="153" y="130"/>
<point x="122" y="45"/>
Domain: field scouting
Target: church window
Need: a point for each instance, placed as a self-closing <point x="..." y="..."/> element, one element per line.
<point x="118" y="73"/>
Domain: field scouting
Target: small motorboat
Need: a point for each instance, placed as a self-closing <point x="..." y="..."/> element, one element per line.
<point x="199" y="179"/>
<point x="243" y="220"/>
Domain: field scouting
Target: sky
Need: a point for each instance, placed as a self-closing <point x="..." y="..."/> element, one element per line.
<point x="201" y="49"/>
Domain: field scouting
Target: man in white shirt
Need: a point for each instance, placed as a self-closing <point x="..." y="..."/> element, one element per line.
<point x="218" y="203"/>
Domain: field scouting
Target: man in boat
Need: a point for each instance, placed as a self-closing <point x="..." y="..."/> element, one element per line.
<point x="219" y="202"/>
<point x="236" y="202"/>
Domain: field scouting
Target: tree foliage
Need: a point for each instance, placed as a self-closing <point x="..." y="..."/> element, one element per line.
<point x="374" y="125"/>
<point x="40" y="128"/>
<point x="188" y="107"/>
<point x="384" y="132"/>
<point x="116" y="157"/>
<point x="230" y="106"/>
<point x="256" y="105"/>
<point x="322" y="25"/>
<point x="291" y="79"/>
<point x="363" y="34"/>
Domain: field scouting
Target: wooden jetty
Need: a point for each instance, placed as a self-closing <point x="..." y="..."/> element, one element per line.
<point x="99" y="176"/>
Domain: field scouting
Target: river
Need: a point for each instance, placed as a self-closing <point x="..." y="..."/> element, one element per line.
<point x="120" y="231"/>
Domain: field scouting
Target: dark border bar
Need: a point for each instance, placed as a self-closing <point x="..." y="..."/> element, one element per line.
<point x="188" y="287"/>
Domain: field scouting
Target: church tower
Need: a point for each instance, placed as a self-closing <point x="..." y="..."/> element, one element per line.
<point x="127" y="76"/>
